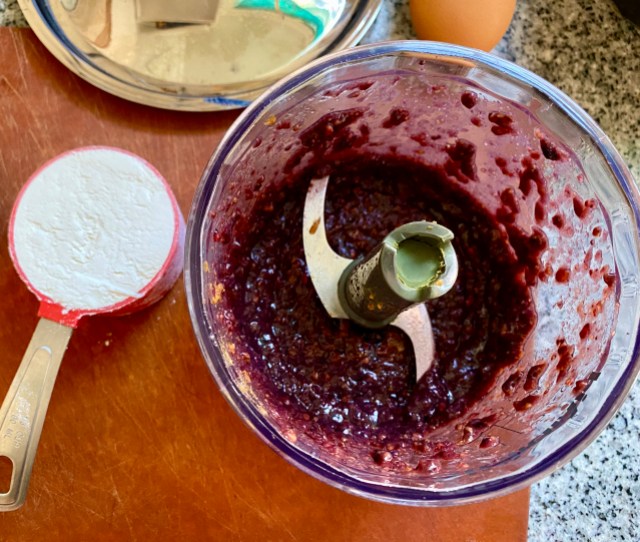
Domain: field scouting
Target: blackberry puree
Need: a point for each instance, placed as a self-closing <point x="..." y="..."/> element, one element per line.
<point x="444" y="152"/>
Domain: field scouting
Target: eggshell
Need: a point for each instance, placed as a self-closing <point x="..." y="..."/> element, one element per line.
<point x="474" y="23"/>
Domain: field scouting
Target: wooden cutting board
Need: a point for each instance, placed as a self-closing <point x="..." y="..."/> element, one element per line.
<point x="138" y="443"/>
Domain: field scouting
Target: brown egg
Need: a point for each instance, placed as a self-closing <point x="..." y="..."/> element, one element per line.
<point x="475" y="23"/>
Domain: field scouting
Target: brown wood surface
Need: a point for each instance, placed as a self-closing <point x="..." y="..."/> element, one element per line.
<point x="138" y="443"/>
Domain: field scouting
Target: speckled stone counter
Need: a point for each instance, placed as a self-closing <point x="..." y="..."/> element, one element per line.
<point x="588" y="50"/>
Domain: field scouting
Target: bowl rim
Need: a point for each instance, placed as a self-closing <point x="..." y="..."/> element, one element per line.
<point x="313" y="466"/>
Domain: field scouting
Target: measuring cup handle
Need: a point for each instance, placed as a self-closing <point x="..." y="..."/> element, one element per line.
<point x="24" y="408"/>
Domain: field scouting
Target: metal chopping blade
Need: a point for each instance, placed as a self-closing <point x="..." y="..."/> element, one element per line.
<point x="343" y="292"/>
<point x="325" y="266"/>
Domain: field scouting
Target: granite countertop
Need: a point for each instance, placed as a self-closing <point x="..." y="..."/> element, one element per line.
<point x="588" y="50"/>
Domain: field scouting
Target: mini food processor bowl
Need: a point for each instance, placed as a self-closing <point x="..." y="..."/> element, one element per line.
<point x="548" y="426"/>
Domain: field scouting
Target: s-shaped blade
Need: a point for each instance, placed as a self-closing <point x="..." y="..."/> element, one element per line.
<point x="413" y="263"/>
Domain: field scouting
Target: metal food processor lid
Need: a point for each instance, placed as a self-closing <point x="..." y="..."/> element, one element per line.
<point x="197" y="55"/>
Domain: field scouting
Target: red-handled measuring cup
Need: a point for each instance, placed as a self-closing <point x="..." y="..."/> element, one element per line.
<point x="96" y="230"/>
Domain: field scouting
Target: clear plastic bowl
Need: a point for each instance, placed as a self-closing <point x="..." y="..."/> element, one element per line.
<point x="577" y="402"/>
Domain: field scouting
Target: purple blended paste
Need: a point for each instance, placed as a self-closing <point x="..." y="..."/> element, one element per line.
<point x="483" y="168"/>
